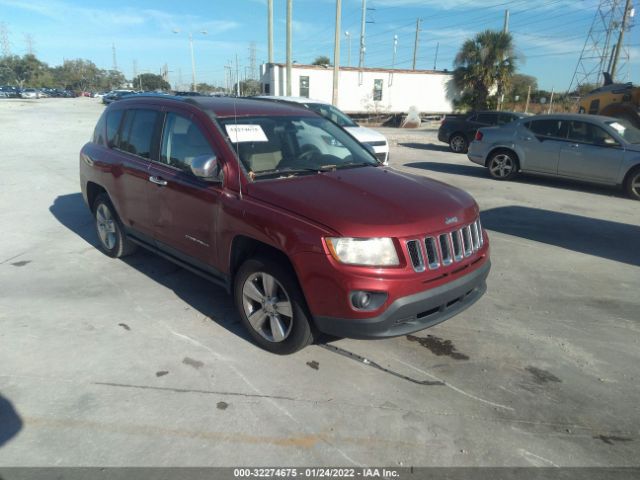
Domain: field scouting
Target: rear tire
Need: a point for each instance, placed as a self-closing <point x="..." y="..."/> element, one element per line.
<point x="632" y="184"/>
<point x="503" y="165"/>
<point x="272" y="307"/>
<point x="113" y="240"/>
<point x="458" y="143"/>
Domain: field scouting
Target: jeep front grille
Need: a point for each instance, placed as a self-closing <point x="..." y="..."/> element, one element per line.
<point x="446" y="248"/>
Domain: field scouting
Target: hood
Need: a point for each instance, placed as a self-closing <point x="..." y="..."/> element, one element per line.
<point x="364" y="134"/>
<point x="370" y="201"/>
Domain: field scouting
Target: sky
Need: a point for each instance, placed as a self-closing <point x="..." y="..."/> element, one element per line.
<point x="548" y="34"/>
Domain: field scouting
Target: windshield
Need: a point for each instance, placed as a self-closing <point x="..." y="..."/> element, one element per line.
<point x="332" y="113"/>
<point x="271" y="147"/>
<point x="627" y="131"/>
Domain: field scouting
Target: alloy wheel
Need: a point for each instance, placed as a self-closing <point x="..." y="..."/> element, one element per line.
<point x="502" y="165"/>
<point x="106" y="226"/>
<point x="267" y="306"/>
<point x="458" y="144"/>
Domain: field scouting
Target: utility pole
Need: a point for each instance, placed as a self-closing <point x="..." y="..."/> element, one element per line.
<point x="289" y="41"/>
<point x="505" y="28"/>
<point x="526" y="106"/>
<point x="435" y="61"/>
<point x="618" y="47"/>
<point x="270" y="31"/>
<point x="135" y="68"/>
<point x="550" y="102"/>
<point x="415" y="44"/>
<point x="393" y="60"/>
<point x="237" y="77"/>
<point x="336" y="54"/>
<point x="362" y="41"/>
<point x="348" y="35"/>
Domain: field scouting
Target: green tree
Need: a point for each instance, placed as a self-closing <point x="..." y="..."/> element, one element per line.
<point x="520" y="85"/>
<point x="78" y="74"/>
<point x="583" y="90"/>
<point x="207" y="88"/>
<point x="25" y="71"/>
<point x="484" y="65"/>
<point x="321" y="60"/>
<point x="150" y="81"/>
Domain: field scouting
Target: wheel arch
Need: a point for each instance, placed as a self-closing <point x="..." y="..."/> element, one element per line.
<point x="244" y="247"/>
<point x="93" y="190"/>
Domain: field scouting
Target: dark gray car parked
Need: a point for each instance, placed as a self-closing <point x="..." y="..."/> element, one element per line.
<point x="459" y="130"/>
<point x="590" y="148"/>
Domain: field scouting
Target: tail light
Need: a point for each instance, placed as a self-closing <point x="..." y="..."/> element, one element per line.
<point x="479" y="136"/>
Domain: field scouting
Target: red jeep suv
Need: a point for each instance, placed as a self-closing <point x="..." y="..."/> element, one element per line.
<point x="288" y="212"/>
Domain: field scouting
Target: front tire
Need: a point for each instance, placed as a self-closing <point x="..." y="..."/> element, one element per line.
<point x="272" y="307"/>
<point x="113" y="241"/>
<point x="458" y="143"/>
<point x="632" y="184"/>
<point x="503" y="165"/>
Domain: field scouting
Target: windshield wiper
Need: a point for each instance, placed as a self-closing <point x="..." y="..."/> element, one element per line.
<point x="355" y="165"/>
<point x="294" y="171"/>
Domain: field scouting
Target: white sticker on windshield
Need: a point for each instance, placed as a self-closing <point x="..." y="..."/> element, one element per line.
<point x="619" y="128"/>
<point x="246" y="133"/>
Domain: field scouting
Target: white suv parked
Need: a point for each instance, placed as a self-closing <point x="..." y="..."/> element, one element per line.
<point x="364" y="135"/>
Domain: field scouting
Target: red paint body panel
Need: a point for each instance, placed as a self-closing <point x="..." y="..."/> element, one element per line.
<point x="292" y="215"/>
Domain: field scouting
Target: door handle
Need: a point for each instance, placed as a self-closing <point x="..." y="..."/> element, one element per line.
<point x="574" y="145"/>
<point x="158" y="181"/>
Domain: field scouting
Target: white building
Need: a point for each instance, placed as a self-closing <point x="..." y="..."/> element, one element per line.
<point x="367" y="90"/>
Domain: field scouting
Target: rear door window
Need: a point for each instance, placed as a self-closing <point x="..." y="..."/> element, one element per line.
<point x="504" y="118"/>
<point x="551" y="128"/>
<point x="138" y="131"/>
<point x="114" y="117"/>
<point x="488" y="118"/>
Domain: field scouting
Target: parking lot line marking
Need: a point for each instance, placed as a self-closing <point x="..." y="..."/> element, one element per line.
<point x="257" y="390"/>
<point x="452" y="387"/>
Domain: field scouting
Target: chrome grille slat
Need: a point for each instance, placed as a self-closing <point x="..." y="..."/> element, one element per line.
<point x="432" y="252"/>
<point x="415" y="254"/>
<point x="446" y="248"/>
<point x="456" y="239"/>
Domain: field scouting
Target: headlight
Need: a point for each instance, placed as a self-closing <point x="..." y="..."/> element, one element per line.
<point x="379" y="252"/>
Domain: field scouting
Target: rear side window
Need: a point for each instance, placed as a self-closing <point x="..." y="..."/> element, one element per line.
<point x="548" y="128"/>
<point x="488" y="118"/>
<point x="504" y="118"/>
<point x="113" y="124"/>
<point x="98" y="132"/>
<point x="182" y="141"/>
<point x="137" y="132"/>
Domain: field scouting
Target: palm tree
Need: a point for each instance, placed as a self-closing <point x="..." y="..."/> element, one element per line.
<point x="485" y="63"/>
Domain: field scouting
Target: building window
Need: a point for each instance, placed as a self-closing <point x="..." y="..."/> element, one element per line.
<point x="304" y="87"/>
<point x="267" y="88"/>
<point x="377" y="90"/>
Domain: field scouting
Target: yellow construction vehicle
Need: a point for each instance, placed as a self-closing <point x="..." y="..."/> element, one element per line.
<point x="620" y="100"/>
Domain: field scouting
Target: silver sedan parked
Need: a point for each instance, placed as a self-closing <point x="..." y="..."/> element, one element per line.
<point x="590" y="148"/>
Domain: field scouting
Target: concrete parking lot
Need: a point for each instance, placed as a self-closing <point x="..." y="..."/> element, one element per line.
<point x="139" y="362"/>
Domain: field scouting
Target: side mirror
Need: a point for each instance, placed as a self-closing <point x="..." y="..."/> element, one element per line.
<point x="205" y="167"/>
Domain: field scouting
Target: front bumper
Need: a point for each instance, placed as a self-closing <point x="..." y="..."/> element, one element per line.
<point x="414" y="312"/>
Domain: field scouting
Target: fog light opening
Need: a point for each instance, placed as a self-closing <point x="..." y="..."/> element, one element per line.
<point x="363" y="300"/>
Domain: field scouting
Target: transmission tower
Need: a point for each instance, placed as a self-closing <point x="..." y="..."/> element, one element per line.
<point x="601" y="42"/>
<point x="5" y="44"/>
<point x="28" y="40"/>
<point x="252" y="61"/>
<point x="113" y="53"/>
